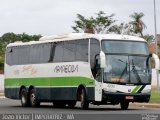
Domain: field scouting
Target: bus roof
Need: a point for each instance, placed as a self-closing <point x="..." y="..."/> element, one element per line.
<point x="74" y="36"/>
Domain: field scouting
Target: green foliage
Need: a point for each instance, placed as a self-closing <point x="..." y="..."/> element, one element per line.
<point x="148" y="37"/>
<point x="123" y="28"/>
<point x="103" y="23"/>
<point x="99" y="24"/>
<point x="137" y="24"/>
<point x="1" y="62"/>
<point x="155" y="97"/>
<point x="84" y="24"/>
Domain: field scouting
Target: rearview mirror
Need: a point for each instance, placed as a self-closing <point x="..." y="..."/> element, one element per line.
<point x="102" y="59"/>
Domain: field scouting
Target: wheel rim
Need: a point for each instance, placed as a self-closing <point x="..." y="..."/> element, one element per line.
<point x="33" y="98"/>
<point x="82" y="98"/>
<point x="23" y="99"/>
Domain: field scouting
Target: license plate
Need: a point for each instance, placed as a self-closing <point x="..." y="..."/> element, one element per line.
<point x="129" y="97"/>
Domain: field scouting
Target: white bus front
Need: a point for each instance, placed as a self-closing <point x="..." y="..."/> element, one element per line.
<point x="127" y="73"/>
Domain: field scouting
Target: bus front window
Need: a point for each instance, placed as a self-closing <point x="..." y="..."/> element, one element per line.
<point x="125" y="64"/>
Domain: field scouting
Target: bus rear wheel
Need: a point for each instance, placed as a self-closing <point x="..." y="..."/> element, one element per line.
<point x="124" y="105"/>
<point x="33" y="99"/>
<point x="24" y="98"/>
<point x="83" y="100"/>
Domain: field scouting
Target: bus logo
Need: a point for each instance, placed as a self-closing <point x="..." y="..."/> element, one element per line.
<point x="129" y="90"/>
<point x="66" y="68"/>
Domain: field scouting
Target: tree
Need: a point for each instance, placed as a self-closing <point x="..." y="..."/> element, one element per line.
<point x="148" y="37"/>
<point x="137" y="23"/>
<point x="100" y="24"/>
<point x="26" y="38"/>
<point x="103" y="23"/>
<point x="8" y="38"/>
<point x="122" y="28"/>
<point x="83" y="24"/>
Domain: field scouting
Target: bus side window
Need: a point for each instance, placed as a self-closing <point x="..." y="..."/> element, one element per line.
<point x="9" y="53"/>
<point x="52" y="51"/>
<point x="82" y="50"/>
<point x="23" y="55"/>
<point x="58" y="55"/>
<point x="69" y="50"/>
<point x="34" y="56"/>
<point x="17" y="55"/>
<point x="94" y="56"/>
<point x="45" y="52"/>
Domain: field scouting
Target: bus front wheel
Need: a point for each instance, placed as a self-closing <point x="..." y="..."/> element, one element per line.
<point x="124" y="105"/>
<point x="83" y="100"/>
<point x="24" y="98"/>
<point x="33" y="99"/>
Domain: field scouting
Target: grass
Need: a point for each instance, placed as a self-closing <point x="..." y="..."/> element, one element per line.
<point x="155" y="97"/>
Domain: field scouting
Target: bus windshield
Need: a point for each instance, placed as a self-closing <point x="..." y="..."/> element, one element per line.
<point x="126" y="62"/>
<point x="128" y="47"/>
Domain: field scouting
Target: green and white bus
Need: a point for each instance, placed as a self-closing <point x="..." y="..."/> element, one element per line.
<point x="90" y="68"/>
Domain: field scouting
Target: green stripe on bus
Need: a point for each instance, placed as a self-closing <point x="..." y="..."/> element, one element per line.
<point x="54" y="81"/>
<point x="135" y="89"/>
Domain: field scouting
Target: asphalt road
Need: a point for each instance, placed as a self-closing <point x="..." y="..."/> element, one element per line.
<point x="9" y="109"/>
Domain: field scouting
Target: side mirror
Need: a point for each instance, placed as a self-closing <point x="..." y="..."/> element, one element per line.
<point x="102" y="59"/>
<point x="156" y="59"/>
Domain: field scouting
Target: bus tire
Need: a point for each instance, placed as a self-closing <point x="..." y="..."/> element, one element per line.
<point x="83" y="100"/>
<point x="24" y="98"/>
<point x="124" y="105"/>
<point x="33" y="99"/>
<point x="72" y="104"/>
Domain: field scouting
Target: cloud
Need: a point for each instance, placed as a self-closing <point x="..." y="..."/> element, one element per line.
<point x="56" y="16"/>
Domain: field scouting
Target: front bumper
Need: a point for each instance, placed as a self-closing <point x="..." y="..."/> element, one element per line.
<point x="121" y="97"/>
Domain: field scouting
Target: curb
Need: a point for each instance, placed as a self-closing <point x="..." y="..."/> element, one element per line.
<point x="148" y="105"/>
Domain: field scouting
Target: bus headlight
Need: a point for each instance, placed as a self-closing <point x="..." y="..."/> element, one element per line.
<point x="109" y="90"/>
<point x="146" y="91"/>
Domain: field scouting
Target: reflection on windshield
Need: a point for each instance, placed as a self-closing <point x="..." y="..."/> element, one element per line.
<point x="127" y="69"/>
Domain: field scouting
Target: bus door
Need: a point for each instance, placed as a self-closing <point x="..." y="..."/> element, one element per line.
<point x="98" y="86"/>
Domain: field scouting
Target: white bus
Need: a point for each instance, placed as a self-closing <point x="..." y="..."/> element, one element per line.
<point x="90" y="68"/>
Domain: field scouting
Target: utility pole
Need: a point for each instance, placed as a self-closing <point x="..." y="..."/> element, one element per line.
<point x="156" y="47"/>
<point x="155" y="27"/>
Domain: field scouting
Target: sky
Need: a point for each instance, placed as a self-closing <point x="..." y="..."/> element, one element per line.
<point x="52" y="17"/>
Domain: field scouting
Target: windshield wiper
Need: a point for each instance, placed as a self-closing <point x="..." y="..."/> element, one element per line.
<point x="124" y="71"/>
<point x="121" y="61"/>
<point x="135" y="72"/>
